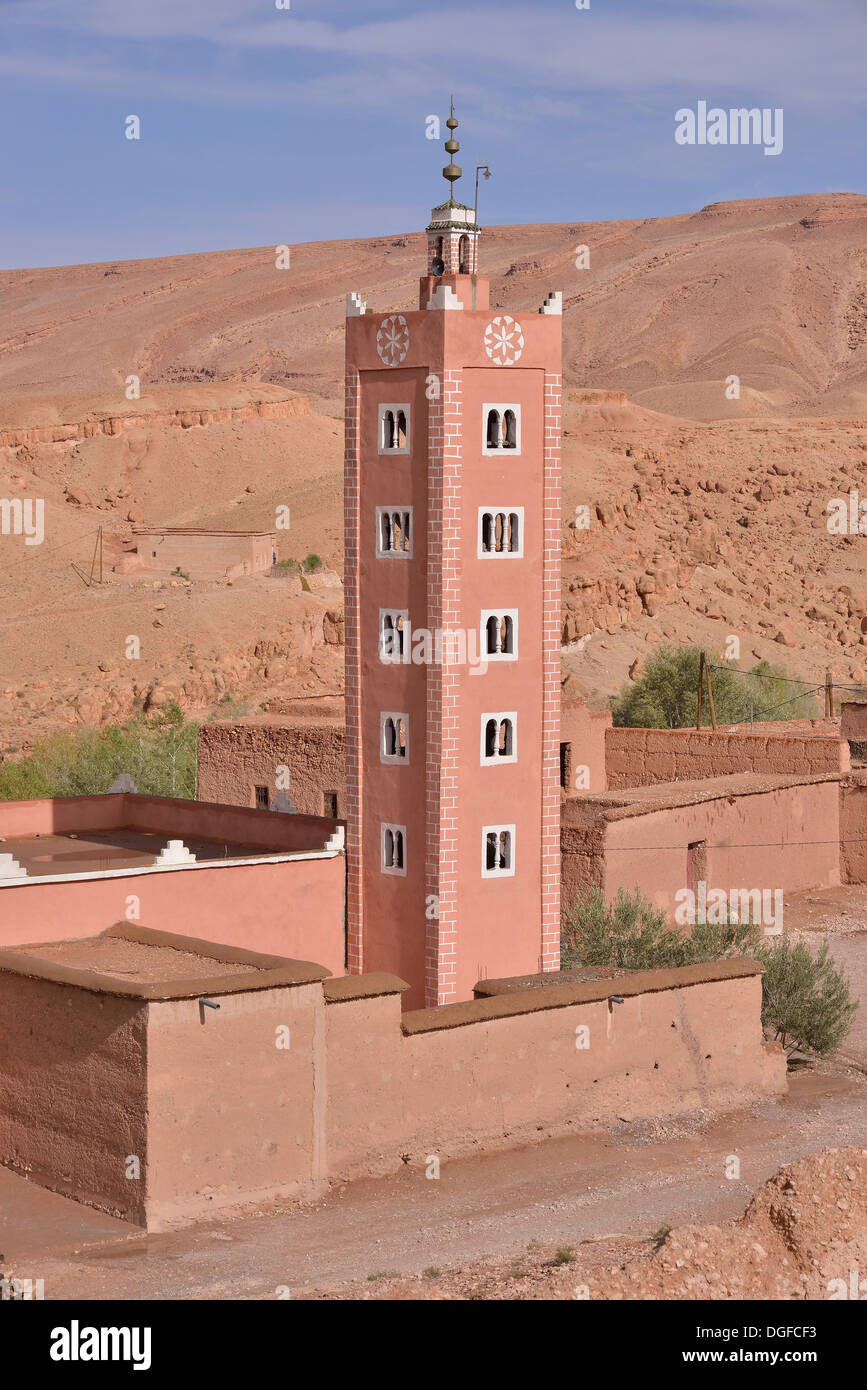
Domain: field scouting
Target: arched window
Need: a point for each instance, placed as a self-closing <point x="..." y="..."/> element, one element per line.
<point x="464" y="255"/>
<point x="392" y="634"/>
<point x="499" y="743"/>
<point x="395" y="737"/>
<point x="394" y="532"/>
<point x="499" y="631"/>
<point x="388" y="429"/>
<point x="501" y="427"/>
<point x="394" y="849"/>
<point x="394" y="424"/>
<point x="500" y="532"/>
<point x="498" y="851"/>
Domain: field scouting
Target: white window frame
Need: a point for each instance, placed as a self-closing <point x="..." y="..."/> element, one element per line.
<point x="500" y="554"/>
<point x="380" y="420"/>
<point x="395" y="830"/>
<point x="393" y="758"/>
<point x="493" y="830"/>
<point x="501" y="406"/>
<point x="389" y="512"/>
<point x="395" y="614"/>
<point x="498" y="759"/>
<point x="484" y="654"/>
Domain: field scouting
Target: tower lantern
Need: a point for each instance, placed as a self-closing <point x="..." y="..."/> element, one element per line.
<point x="453" y="234"/>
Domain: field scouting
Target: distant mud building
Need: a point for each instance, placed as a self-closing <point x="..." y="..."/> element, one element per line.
<point x="202" y="554"/>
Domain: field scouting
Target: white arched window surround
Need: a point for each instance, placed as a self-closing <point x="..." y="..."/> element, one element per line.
<point x="393" y="842"/>
<point x="390" y="722"/>
<point x="487" y="532"/>
<point x="391" y="649"/>
<point x="498" y="614"/>
<point x="500" y="839"/>
<point x="506" y="428"/>
<point x="394" y="532"/>
<point x="497" y="718"/>
<point x="393" y="428"/>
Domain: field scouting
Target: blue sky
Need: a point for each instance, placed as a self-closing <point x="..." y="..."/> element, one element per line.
<point x="262" y="125"/>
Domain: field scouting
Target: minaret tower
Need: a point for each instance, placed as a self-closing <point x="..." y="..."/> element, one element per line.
<point x="452" y="580"/>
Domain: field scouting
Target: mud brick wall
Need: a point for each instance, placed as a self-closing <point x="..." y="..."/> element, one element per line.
<point x="645" y="757"/>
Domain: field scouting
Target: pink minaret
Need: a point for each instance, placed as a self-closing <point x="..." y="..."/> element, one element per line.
<point x="452" y="516"/>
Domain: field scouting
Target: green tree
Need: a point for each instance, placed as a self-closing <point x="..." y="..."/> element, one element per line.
<point x="159" y="751"/>
<point x="806" y="1000"/>
<point x="666" y="695"/>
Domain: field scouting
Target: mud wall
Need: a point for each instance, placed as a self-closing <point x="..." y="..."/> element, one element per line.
<point x="644" y="757"/>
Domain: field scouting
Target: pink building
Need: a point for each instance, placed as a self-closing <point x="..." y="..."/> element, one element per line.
<point x="452" y="520"/>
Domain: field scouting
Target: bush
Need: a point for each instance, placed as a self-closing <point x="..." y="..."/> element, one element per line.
<point x="666" y="695"/>
<point x="158" y="751"/>
<point x="312" y="563"/>
<point x="806" y="1000"/>
<point x="632" y="935"/>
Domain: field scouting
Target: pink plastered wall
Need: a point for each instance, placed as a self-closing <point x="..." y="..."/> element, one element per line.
<point x="583" y="732"/>
<point x="787" y="838"/>
<point x="503" y="1081"/>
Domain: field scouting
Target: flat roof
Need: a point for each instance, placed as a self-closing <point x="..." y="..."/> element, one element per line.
<point x="662" y="796"/>
<point x="122" y="847"/>
<point x="141" y="963"/>
<point x="193" y="531"/>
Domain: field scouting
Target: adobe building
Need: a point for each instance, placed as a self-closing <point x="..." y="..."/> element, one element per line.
<point x="204" y="1005"/>
<point x="250" y="761"/>
<point x="74" y="866"/>
<point x="452" y="613"/>
<point x="202" y="554"/>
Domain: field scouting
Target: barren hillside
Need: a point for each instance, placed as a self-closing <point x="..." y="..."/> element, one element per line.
<point x="707" y="513"/>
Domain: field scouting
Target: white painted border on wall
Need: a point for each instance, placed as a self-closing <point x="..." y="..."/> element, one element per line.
<point x="498" y="760"/>
<point x="501" y="406"/>
<point x="394" y="407"/>
<point x="495" y="873"/>
<point x="501" y="554"/>
<point x="393" y="757"/>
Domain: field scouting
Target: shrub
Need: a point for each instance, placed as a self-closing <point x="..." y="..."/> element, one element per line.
<point x="158" y="751"/>
<point x="312" y="563"/>
<point x="666" y="695"/>
<point x="806" y="1000"/>
<point x="630" y="934"/>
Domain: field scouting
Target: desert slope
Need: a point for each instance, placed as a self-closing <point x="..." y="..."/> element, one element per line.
<point x="774" y="290"/>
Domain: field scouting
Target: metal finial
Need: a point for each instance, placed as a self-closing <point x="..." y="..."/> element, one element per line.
<point x="452" y="171"/>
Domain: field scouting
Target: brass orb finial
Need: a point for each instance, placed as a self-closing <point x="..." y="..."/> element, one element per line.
<point x="452" y="171"/>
